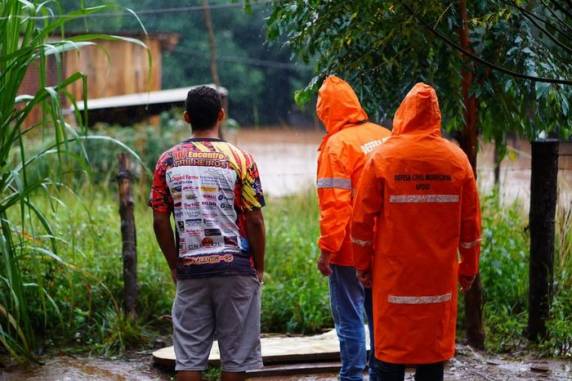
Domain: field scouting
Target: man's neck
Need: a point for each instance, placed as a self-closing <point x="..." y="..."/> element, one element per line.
<point x="206" y="134"/>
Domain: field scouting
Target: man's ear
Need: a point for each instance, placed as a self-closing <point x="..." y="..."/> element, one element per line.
<point x="221" y="115"/>
<point x="187" y="117"/>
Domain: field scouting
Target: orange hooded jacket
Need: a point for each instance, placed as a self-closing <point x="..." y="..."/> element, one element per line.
<point x="422" y="190"/>
<point x="350" y="137"/>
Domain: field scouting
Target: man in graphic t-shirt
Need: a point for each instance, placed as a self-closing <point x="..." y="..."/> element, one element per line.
<point x="216" y="251"/>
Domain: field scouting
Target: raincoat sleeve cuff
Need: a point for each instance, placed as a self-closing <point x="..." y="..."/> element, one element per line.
<point x="362" y="251"/>
<point x="470" y="262"/>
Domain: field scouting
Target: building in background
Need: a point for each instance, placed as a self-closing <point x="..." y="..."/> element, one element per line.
<point x="112" y="67"/>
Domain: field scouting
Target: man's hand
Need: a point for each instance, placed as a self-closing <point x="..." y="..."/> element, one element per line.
<point x="260" y="276"/>
<point x="166" y="240"/>
<point x="256" y="234"/>
<point x="466" y="282"/>
<point x="324" y="264"/>
<point x="364" y="278"/>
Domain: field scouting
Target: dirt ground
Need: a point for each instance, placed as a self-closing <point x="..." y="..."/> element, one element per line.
<point x="468" y="365"/>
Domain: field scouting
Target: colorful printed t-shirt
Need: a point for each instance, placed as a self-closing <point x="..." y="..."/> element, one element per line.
<point x="208" y="184"/>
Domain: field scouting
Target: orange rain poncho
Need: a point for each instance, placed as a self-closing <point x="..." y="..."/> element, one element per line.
<point x="422" y="191"/>
<point x="350" y="137"/>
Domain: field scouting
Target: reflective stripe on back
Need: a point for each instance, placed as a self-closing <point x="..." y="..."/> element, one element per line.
<point x="424" y="198"/>
<point x="431" y="299"/>
<point x="334" y="182"/>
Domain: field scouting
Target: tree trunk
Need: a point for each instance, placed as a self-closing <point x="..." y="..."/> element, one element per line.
<point x="212" y="42"/>
<point x="212" y="49"/>
<point x="474" y="296"/>
<point x="543" y="193"/>
<point x="497" y="158"/>
<point x="128" y="236"/>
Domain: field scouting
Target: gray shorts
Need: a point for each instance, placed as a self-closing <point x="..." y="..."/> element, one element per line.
<point x="226" y="308"/>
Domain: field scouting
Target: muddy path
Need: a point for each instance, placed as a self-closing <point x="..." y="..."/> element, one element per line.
<point x="468" y="365"/>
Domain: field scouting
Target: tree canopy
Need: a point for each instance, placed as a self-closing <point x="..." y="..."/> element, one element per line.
<point x="518" y="53"/>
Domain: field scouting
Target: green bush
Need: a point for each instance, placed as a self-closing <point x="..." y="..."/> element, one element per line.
<point x="504" y="273"/>
<point x="148" y="141"/>
<point x="295" y="295"/>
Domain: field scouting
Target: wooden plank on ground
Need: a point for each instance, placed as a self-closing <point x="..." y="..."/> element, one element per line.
<point x="277" y="350"/>
<point x="293" y="369"/>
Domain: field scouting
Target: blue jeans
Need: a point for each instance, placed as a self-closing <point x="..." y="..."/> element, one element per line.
<point x="349" y="299"/>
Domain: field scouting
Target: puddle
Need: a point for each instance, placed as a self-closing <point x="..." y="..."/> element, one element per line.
<point x="64" y="368"/>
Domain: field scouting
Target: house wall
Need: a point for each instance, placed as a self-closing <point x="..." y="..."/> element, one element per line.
<point x="112" y="68"/>
<point x="116" y="68"/>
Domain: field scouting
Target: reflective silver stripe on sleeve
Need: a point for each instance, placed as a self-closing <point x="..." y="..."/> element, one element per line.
<point x="361" y="242"/>
<point x="424" y="198"/>
<point x="470" y="245"/>
<point x="334" y="182"/>
<point x="419" y="299"/>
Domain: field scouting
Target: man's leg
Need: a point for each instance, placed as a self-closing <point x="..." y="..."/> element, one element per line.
<point x="237" y="314"/>
<point x="430" y="372"/>
<point x="368" y="303"/>
<point x="193" y="328"/>
<point x="347" y="300"/>
<point x="188" y="376"/>
<point x="390" y="372"/>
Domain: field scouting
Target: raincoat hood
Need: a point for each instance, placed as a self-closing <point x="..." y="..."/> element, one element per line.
<point x="418" y="113"/>
<point x="338" y="105"/>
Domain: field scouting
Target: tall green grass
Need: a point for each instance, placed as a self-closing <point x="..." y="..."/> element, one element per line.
<point x="504" y="270"/>
<point x="86" y="285"/>
<point x="295" y="295"/>
<point x="27" y="29"/>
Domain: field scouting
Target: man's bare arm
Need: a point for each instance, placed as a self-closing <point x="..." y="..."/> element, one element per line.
<point x="165" y="238"/>
<point x="256" y="235"/>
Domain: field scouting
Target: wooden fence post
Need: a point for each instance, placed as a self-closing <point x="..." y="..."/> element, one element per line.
<point x="128" y="235"/>
<point x="543" y="193"/>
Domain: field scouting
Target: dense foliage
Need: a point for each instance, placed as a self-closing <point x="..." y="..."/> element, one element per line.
<point x="260" y="78"/>
<point x="26" y="29"/>
<point x="383" y="48"/>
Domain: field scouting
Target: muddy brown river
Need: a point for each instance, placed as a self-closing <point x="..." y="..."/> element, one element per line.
<point x="287" y="164"/>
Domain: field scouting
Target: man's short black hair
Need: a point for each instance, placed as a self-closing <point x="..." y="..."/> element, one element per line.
<point x="203" y="105"/>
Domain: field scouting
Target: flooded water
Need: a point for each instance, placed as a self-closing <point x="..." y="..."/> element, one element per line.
<point x="287" y="164"/>
<point x="286" y="159"/>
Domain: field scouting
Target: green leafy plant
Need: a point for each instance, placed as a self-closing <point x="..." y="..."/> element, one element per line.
<point x="30" y="35"/>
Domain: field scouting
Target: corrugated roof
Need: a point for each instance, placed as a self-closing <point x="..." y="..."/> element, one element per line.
<point x="142" y="99"/>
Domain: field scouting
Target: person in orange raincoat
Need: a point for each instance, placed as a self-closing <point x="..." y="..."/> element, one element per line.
<point x="421" y="191"/>
<point x="350" y="137"/>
